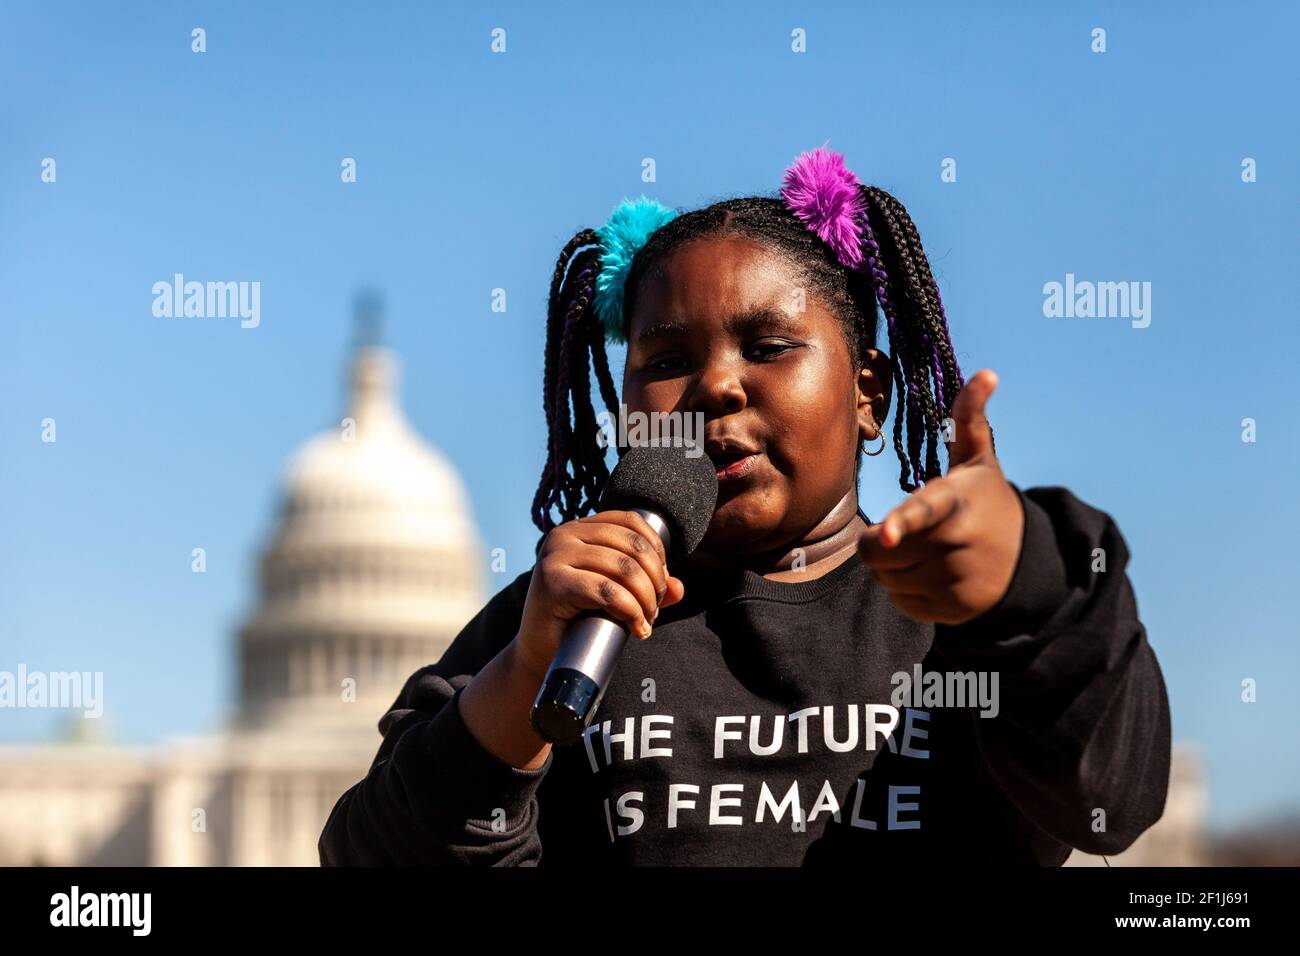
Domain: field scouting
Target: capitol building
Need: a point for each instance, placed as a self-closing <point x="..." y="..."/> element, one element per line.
<point x="372" y="571"/>
<point x="373" y="568"/>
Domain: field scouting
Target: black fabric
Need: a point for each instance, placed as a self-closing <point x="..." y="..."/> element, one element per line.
<point x="1076" y="756"/>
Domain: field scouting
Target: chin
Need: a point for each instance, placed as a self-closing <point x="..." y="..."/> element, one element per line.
<point x="741" y="525"/>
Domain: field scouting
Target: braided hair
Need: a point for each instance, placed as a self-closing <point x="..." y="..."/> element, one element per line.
<point x="896" y="276"/>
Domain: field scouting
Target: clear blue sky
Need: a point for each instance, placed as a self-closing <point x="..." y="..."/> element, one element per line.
<point x="474" y="168"/>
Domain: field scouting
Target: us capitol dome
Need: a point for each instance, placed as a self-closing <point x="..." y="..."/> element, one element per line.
<point x="373" y="566"/>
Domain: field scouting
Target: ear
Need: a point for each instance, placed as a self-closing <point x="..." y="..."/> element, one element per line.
<point x="874" y="388"/>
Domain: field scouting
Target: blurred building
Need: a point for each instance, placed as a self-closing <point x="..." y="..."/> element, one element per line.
<point x="374" y="568"/>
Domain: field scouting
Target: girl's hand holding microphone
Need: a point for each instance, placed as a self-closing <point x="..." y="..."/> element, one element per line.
<point x="611" y="562"/>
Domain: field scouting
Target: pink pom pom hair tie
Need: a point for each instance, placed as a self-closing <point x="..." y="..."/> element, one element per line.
<point x="827" y="198"/>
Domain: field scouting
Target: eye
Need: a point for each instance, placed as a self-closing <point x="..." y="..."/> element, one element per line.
<point x="769" y="350"/>
<point x="666" y="364"/>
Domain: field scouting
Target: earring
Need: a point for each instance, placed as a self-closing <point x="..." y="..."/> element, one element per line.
<point x="873" y="454"/>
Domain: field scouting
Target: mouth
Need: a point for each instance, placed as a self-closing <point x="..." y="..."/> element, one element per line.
<point x="737" y="469"/>
<point x="732" y="461"/>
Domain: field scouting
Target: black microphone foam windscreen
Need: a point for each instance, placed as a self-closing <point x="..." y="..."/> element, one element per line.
<point x="680" y="484"/>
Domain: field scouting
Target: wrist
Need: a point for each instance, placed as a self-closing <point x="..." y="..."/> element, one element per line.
<point x="523" y="664"/>
<point x="495" y="708"/>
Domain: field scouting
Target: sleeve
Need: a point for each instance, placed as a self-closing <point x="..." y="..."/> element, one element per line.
<point x="434" y="795"/>
<point x="1083" y="719"/>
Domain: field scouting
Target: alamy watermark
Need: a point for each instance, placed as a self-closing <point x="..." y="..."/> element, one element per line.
<point x="670" y="429"/>
<point x="64" y="690"/>
<point x="946" y="689"/>
<point x="130" y="910"/>
<point x="1104" y="300"/>
<point x="208" y="300"/>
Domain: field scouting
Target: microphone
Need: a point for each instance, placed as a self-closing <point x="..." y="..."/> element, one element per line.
<point x="675" y="494"/>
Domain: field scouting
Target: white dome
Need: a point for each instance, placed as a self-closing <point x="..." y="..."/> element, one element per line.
<point x="372" y="477"/>
<point x="374" y="568"/>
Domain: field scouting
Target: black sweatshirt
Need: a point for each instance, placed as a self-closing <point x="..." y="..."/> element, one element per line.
<point x="766" y="723"/>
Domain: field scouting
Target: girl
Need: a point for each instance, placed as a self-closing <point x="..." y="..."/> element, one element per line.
<point x="966" y="679"/>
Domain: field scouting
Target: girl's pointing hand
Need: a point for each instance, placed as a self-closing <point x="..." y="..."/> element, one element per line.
<point x="948" y="553"/>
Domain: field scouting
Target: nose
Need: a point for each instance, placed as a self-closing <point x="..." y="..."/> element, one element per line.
<point x="718" y="390"/>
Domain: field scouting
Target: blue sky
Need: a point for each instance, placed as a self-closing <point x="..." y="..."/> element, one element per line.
<point x="473" y="169"/>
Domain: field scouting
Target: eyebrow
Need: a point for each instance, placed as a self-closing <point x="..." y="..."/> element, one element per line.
<point x="749" y="321"/>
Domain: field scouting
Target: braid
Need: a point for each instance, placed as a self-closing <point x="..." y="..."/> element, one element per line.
<point x="945" y="362"/>
<point x="566" y="484"/>
<point x="573" y="333"/>
<point x="589" y="471"/>
<point x="554" y="315"/>
<point x="941" y="350"/>
<point x="880" y="284"/>
<point x="908" y="345"/>
<point x="922" y="345"/>
<point x="596" y="342"/>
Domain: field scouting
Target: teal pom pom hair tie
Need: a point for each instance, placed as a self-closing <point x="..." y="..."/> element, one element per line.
<point x="626" y="231"/>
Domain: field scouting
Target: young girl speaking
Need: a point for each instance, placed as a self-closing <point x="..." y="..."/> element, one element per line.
<point x="965" y="680"/>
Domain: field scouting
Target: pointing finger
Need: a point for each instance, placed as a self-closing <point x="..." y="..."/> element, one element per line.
<point x="924" y="509"/>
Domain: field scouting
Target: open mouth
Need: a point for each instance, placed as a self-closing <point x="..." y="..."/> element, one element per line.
<point x="732" y="466"/>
